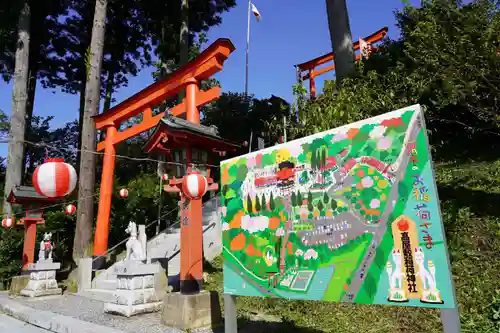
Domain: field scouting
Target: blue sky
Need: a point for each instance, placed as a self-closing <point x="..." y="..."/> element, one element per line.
<point x="291" y="32"/>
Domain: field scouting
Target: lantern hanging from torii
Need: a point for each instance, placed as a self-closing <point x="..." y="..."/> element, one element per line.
<point x="54" y="178"/>
<point x="70" y="209"/>
<point x="123" y="193"/>
<point x="7" y="222"/>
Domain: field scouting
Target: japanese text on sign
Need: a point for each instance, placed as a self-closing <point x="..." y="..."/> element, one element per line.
<point x="422" y="197"/>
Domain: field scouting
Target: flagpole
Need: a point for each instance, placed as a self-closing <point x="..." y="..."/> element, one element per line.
<point x="248" y="45"/>
<point x="246" y="69"/>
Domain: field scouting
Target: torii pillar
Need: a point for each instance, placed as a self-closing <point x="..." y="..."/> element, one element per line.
<point x="188" y="77"/>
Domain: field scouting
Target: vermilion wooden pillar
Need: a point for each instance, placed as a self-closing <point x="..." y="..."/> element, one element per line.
<point x="106" y="193"/>
<point x="191" y="275"/>
<point x="29" y="240"/>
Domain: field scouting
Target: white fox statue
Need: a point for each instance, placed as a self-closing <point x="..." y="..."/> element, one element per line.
<point x="396" y="276"/>
<point x="430" y="293"/>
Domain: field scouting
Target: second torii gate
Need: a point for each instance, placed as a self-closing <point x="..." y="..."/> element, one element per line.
<point x="188" y="77"/>
<point x="310" y="66"/>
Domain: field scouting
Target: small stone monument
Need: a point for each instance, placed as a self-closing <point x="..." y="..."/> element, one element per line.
<point x="135" y="289"/>
<point x="42" y="280"/>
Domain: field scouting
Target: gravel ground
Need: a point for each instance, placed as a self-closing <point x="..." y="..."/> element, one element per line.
<point x="93" y="311"/>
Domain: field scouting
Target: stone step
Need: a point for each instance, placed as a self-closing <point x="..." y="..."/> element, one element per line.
<point x="98" y="295"/>
<point x="108" y="284"/>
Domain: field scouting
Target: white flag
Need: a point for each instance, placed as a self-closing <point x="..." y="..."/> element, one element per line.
<point x="256" y="13"/>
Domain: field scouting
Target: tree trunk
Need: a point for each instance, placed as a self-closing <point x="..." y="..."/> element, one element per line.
<point x="30" y="103"/>
<point x="84" y="222"/>
<point x="341" y="38"/>
<point x="19" y="99"/>
<point x="184" y="39"/>
<point x="109" y="91"/>
<point x="80" y="124"/>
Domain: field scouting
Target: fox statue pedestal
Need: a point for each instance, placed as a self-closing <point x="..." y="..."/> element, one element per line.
<point x="135" y="290"/>
<point x="42" y="280"/>
<point x="191" y="311"/>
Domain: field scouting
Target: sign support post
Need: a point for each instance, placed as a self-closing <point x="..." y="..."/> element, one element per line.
<point x="451" y="320"/>
<point x="230" y="314"/>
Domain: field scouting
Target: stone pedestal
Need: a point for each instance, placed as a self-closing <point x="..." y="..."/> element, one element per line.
<point x="18" y="283"/>
<point x="42" y="280"/>
<point x="187" y="312"/>
<point x="135" y="289"/>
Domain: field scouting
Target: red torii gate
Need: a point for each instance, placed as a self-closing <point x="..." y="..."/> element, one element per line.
<point x="209" y="62"/>
<point x="310" y="66"/>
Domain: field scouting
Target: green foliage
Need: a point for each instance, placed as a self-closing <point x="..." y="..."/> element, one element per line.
<point x="264" y="203"/>
<point x="236" y="115"/>
<point x="446" y="60"/>
<point x="272" y="203"/>
<point x="249" y="204"/>
<point x="257" y="204"/>
<point x="320" y="206"/>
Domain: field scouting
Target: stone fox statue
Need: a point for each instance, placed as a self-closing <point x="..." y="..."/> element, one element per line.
<point x="135" y="249"/>
<point x="46" y="246"/>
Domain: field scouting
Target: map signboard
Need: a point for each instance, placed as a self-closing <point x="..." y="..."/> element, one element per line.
<point x="347" y="215"/>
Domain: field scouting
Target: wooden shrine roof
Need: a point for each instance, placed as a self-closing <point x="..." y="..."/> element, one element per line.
<point x="207" y="136"/>
<point x="22" y="194"/>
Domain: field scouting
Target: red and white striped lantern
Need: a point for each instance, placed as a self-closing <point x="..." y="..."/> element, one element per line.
<point x="7" y="223"/>
<point x="54" y="178"/>
<point x="70" y="209"/>
<point x="194" y="185"/>
<point x="164" y="177"/>
<point x="123" y="193"/>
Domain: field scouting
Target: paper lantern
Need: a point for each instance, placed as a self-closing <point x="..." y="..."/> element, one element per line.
<point x="54" y="178"/>
<point x="70" y="209"/>
<point x="194" y="185"/>
<point x="123" y="193"/>
<point x="7" y="223"/>
<point x="164" y="177"/>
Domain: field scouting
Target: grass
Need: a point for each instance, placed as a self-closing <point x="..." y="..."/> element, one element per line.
<point x="470" y="201"/>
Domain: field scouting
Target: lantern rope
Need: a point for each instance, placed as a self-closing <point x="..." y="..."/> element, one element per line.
<point x="52" y="206"/>
<point x="137" y="159"/>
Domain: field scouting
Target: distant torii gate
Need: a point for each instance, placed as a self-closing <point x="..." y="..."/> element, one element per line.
<point x="188" y="77"/>
<point x="310" y="66"/>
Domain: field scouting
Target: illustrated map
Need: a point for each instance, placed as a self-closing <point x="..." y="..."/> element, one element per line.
<point x="347" y="215"/>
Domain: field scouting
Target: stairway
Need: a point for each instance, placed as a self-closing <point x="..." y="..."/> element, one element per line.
<point x="163" y="249"/>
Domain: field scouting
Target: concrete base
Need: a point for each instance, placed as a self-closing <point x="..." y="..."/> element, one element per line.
<point x="135" y="289"/>
<point x="41" y="292"/>
<point x="84" y="274"/>
<point x="17" y="284"/>
<point x="132" y="310"/>
<point x="187" y="312"/>
<point x="42" y="279"/>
